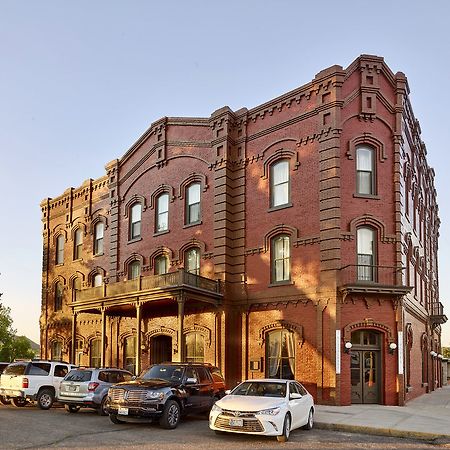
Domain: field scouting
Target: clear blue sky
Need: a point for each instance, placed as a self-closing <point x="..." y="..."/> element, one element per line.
<point x="80" y="81"/>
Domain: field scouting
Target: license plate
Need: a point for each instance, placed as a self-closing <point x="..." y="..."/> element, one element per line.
<point x="123" y="411"/>
<point x="236" y="422"/>
<point x="72" y="388"/>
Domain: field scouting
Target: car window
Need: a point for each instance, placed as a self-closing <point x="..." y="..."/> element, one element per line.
<point x="164" y="372"/>
<point x="203" y="377"/>
<point x="16" y="369"/>
<point x="191" y="373"/>
<point x="301" y="389"/>
<point x="104" y="376"/>
<point x="125" y="376"/>
<point x="79" y="375"/>
<point x="293" y="388"/>
<point x="261" y="389"/>
<point x="115" y="377"/>
<point x="39" y="369"/>
<point x="61" y="371"/>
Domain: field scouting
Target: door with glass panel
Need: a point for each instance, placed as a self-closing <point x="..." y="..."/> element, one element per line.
<point x="280" y="355"/>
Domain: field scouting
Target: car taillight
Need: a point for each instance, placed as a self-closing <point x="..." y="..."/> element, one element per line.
<point x="92" y="386"/>
<point x="24" y="382"/>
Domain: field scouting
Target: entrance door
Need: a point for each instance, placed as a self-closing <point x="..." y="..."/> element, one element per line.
<point x="366" y="367"/>
<point x="160" y="349"/>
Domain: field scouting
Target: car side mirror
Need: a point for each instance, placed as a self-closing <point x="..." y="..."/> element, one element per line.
<point x="295" y="396"/>
<point x="191" y="381"/>
<point x="228" y="391"/>
<point x="133" y="377"/>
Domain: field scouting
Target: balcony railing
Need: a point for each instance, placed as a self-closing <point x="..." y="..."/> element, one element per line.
<point x="151" y="283"/>
<point x="437" y="314"/>
<point x="363" y="274"/>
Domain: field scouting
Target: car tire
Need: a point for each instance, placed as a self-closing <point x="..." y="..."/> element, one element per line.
<point x="5" y="401"/>
<point x="45" y="399"/>
<point x="286" y="429"/>
<point x="18" y="402"/>
<point x="72" y="408"/>
<point x="101" y="411"/>
<point x="310" y="422"/>
<point x="113" y="418"/>
<point x="171" y="415"/>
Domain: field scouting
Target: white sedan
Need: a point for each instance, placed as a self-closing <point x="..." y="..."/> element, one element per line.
<point x="267" y="407"/>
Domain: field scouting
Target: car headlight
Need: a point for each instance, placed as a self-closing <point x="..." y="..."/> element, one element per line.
<point x="154" y="395"/>
<point x="269" y="412"/>
<point x="216" y="408"/>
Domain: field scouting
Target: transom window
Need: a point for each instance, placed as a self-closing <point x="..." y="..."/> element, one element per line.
<point x="135" y="221"/>
<point x="281" y="259"/>
<point x="77" y="244"/>
<point x="193" y="203"/>
<point x="60" y="249"/>
<point x="134" y="270"/>
<point x="195" y="347"/>
<point x="161" y="265"/>
<point x="162" y="213"/>
<point x="366" y="254"/>
<point x="99" y="230"/>
<point x="58" y="296"/>
<point x="192" y="261"/>
<point x="365" y="171"/>
<point x="280" y="353"/>
<point x="279" y="183"/>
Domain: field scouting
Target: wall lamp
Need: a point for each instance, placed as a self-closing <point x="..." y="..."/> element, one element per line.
<point x="392" y="347"/>
<point x="433" y="353"/>
<point x="347" y="346"/>
<point x="439" y="356"/>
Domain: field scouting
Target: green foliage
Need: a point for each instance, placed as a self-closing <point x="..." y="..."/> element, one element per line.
<point x="446" y="352"/>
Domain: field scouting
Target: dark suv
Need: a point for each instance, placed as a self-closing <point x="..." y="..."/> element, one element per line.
<point x="164" y="392"/>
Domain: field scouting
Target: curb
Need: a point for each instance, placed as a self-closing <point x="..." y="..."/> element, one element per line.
<point x="419" y="435"/>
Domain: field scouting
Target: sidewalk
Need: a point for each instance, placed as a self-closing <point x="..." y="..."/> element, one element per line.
<point x="427" y="417"/>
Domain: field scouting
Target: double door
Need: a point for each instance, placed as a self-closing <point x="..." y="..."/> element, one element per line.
<point x="366" y="376"/>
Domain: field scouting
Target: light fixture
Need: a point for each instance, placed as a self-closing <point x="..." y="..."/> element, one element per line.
<point x="433" y="353"/>
<point x="392" y="347"/>
<point x="347" y="346"/>
<point x="440" y="356"/>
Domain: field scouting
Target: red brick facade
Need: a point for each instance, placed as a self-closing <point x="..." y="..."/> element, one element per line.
<point x="252" y="323"/>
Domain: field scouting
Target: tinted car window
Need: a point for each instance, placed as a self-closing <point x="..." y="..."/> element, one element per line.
<point x="61" y="371"/>
<point x="39" y="369"/>
<point x="170" y="373"/>
<point x="191" y="373"/>
<point x="301" y="389"/>
<point x="104" y="376"/>
<point x="16" y="369"/>
<point x="293" y="388"/>
<point x="202" y="375"/>
<point x="79" y="375"/>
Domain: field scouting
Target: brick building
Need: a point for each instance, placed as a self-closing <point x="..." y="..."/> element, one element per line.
<point x="295" y="239"/>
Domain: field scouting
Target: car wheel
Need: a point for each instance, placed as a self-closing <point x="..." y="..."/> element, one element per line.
<point x="310" y="422"/>
<point x="18" y="402"/>
<point x="4" y="401"/>
<point x="45" y="399"/>
<point x="113" y="418"/>
<point x="103" y="405"/>
<point x="286" y="429"/>
<point x="171" y="415"/>
<point x="72" y="408"/>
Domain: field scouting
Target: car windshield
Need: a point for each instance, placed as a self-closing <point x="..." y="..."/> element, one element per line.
<point x="16" y="369"/>
<point x="78" y="375"/>
<point x="261" y="389"/>
<point x="169" y="373"/>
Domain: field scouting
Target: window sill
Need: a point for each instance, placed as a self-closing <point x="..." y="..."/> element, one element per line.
<point x="367" y="196"/>
<point x="277" y="208"/>
<point x="98" y="254"/>
<point x="59" y="264"/>
<point x="136" y="239"/>
<point x="77" y="260"/>
<point x="188" y="225"/>
<point x="159" y="233"/>
<point x="281" y="283"/>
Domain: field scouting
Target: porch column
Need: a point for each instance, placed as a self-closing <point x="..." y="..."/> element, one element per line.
<point x="103" y="355"/>
<point x="138" y="338"/>
<point x="74" y="338"/>
<point x="181" y="351"/>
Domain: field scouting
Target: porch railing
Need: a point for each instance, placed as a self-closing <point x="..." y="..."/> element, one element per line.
<point x="364" y="274"/>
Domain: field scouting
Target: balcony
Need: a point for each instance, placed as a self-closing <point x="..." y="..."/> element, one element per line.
<point x="437" y="316"/>
<point x="153" y="287"/>
<point x="363" y="278"/>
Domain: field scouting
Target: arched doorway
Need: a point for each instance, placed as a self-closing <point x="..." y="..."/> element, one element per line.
<point x="365" y="366"/>
<point x="160" y="349"/>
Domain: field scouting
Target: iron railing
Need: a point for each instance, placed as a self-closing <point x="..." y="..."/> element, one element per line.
<point x="364" y="274"/>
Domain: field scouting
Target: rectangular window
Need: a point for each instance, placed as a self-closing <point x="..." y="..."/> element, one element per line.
<point x="365" y="180"/>
<point x="279" y="178"/>
<point x="135" y="221"/>
<point x="365" y="254"/>
<point x="193" y="203"/>
<point x="160" y="265"/>
<point x="78" y="244"/>
<point x="60" y="249"/>
<point x="281" y="270"/>
<point x="98" y="238"/>
<point x="162" y="222"/>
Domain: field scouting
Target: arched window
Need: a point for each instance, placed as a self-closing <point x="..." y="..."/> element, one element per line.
<point x="60" y="249"/>
<point x="58" y="296"/>
<point x="56" y="351"/>
<point x="76" y="287"/>
<point x="95" y="353"/>
<point x="77" y="244"/>
<point x="193" y="203"/>
<point x="279" y="183"/>
<point x="135" y="221"/>
<point x="366" y="254"/>
<point x="281" y="259"/>
<point x="280" y="354"/>
<point x="99" y="231"/>
<point x="365" y="170"/>
<point x="192" y="261"/>
<point x="134" y="270"/>
<point x="129" y="354"/>
<point x="97" y="280"/>
<point x="161" y="265"/>
<point x="162" y="213"/>
<point x="195" y="347"/>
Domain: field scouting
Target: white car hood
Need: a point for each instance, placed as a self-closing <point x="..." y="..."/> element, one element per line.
<point x="249" y="403"/>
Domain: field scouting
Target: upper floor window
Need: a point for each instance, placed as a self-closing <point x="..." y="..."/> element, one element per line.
<point x="192" y="261"/>
<point x="77" y="244"/>
<point x="161" y="265"/>
<point x="135" y="221"/>
<point x="281" y="259"/>
<point x="58" y="296"/>
<point x="98" y="238"/>
<point x="162" y="213"/>
<point x="60" y="249"/>
<point x="365" y="171"/>
<point x="193" y="203"/>
<point x="76" y="287"/>
<point x="365" y="241"/>
<point x="134" y="270"/>
<point x="98" y="280"/>
<point x="279" y="183"/>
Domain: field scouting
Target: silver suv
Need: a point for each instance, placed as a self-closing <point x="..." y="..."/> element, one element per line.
<point x="88" y="387"/>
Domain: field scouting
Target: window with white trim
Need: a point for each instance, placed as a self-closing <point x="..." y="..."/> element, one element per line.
<point x="365" y="170"/>
<point x="162" y="213"/>
<point x="279" y="183"/>
<point x="193" y="203"/>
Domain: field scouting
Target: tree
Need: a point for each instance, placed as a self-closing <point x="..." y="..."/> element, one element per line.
<point x="446" y="352"/>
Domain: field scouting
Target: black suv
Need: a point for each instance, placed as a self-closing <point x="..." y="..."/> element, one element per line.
<point x="165" y="392"/>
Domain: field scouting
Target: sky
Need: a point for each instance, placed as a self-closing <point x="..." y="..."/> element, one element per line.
<point x="81" y="81"/>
